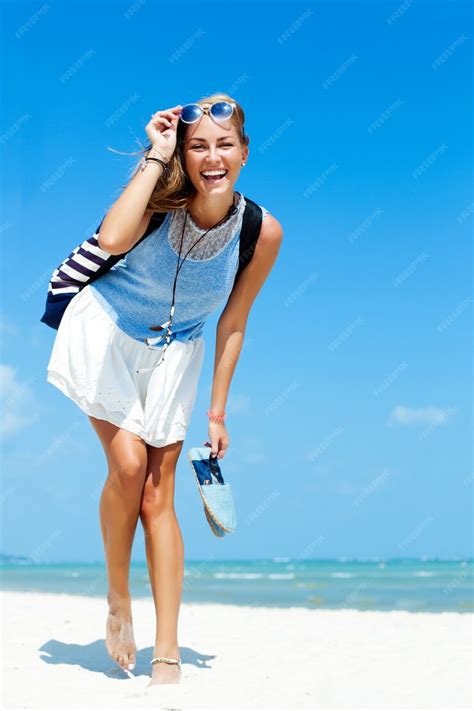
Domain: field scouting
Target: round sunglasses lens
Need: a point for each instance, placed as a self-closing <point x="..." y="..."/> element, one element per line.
<point x="190" y="113"/>
<point x="221" y="110"/>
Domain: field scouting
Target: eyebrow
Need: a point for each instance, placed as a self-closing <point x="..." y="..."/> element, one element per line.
<point x="195" y="138"/>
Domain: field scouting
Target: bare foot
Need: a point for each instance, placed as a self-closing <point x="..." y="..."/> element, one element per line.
<point x="119" y="639"/>
<point x="163" y="672"/>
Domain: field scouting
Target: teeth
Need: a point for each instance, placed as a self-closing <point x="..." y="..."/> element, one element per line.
<point x="214" y="172"/>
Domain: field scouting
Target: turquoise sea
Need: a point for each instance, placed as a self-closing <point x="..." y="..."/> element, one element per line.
<point x="394" y="584"/>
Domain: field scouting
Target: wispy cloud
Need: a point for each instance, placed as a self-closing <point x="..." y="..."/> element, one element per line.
<point x="252" y="451"/>
<point x="19" y="407"/>
<point x="236" y="404"/>
<point x="421" y="416"/>
<point x="8" y="328"/>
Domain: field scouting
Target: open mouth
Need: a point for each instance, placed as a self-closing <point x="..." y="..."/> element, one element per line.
<point x="214" y="176"/>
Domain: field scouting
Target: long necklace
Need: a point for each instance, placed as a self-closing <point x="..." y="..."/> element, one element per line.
<point x="168" y="324"/>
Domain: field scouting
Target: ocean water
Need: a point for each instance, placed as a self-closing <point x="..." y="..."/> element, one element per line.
<point x="397" y="584"/>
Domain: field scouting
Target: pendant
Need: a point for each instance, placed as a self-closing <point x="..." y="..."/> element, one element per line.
<point x="160" y="328"/>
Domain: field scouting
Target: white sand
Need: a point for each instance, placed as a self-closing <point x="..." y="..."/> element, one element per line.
<point x="236" y="658"/>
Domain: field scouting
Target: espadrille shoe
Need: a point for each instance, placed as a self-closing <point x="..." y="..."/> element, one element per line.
<point x="216" y="495"/>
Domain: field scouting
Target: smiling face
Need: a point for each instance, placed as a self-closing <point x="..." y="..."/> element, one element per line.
<point x="213" y="146"/>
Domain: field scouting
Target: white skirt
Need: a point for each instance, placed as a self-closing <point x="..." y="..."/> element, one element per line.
<point x="94" y="363"/>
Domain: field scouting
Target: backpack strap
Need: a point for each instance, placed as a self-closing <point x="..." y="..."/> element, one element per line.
<point x="249" y="234"/>
<point x="156" y="220"/>
<point x="57" y="301"/>
<point x="72" y="275"/>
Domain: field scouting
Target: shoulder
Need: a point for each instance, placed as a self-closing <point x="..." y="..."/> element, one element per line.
<point x="266" y="247"/>
<point x="271" y="233"/>
<point x="251" y="278"/>
<point x="271" y="229"/>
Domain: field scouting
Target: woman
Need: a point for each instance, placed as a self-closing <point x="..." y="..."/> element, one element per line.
<point x="138" y="388"/>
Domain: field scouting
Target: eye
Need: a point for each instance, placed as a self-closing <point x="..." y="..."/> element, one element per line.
<point x="199" y="145"/>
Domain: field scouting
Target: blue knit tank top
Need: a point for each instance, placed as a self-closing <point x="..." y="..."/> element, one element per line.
<point x="137" y="291"/>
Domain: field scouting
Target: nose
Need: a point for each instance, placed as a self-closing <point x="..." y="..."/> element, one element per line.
<point x="213" y="158"/>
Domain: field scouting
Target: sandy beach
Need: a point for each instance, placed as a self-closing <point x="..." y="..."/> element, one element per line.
<point x="236" y="657"/>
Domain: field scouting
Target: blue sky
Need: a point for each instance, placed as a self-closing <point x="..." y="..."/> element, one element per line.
<point x="349" y="411"/>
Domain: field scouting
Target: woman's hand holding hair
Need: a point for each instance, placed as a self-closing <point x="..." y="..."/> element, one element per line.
<point x="161" y="130"/>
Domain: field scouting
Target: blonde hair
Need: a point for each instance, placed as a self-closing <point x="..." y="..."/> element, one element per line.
<point x="174" y="190"/>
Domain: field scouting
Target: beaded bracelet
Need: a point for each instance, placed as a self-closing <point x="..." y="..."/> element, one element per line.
<point x="157" y="160"/>
<point x="219" y="419"/>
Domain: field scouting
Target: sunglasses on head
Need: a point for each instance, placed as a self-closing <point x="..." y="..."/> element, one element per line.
<point x="219" y="110"/>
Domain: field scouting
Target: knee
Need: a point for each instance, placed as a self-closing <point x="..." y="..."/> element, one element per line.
<point x="158" y="496"/>
<point x="128" y="470"/>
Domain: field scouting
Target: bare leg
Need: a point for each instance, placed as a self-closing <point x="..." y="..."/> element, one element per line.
<point x="165" y="555"/>
<point x="126" y="455"/>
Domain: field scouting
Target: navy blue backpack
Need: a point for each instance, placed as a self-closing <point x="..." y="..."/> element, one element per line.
<point x="89" y="262"/>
